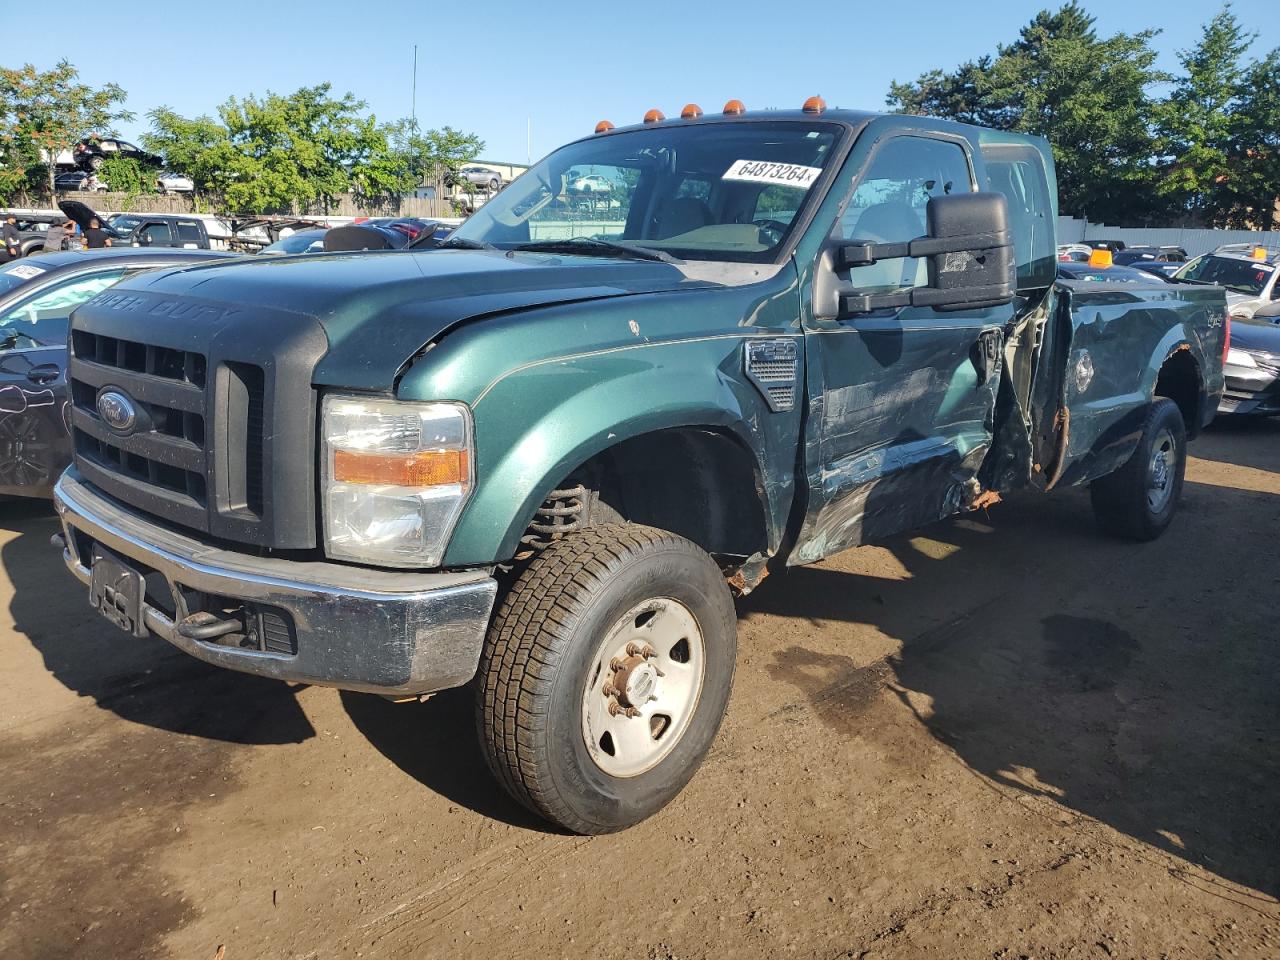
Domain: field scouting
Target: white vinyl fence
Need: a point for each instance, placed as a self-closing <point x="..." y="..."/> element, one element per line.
<point x="1194" y="241"/>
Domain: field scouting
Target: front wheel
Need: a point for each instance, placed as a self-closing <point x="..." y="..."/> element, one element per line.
<point x="605" y="676"/>
<point x="1138" y="501"/>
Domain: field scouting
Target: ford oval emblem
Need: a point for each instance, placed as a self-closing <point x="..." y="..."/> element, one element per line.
<point x="117" y="411"/>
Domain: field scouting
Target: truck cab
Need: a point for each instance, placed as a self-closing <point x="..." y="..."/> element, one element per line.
<point x="543" y="455"/>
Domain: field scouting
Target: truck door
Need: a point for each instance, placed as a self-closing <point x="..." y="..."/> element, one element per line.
<point x="901" y="401"/>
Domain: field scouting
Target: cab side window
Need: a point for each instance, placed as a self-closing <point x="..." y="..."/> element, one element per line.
<point x="889" y="204"/>
<point x="156" y="235"/>
<point x="188" y="232"/>
<point x="1018" y="172"/>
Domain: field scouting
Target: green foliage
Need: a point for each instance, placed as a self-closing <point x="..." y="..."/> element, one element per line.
<point x="1124" y="156"/>
<point x="290" y="153"/>
<point x="1253" y="182"/>
<point x="125" y="175"/>
<point x="1087" y="95"/>
<point x="45" y="113"/>
<point x="1196" y="123"/>
<point x="433" y="156"/>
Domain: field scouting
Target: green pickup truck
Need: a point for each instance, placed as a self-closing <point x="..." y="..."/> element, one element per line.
<point x="544" y="455"/>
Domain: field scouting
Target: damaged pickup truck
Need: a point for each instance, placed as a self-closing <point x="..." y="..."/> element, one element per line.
<point x="544" y="454"/>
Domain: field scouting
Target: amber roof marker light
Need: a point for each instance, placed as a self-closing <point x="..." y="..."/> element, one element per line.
<point x="1101" y="258"/>
<point x="734" y="107"/>
<point x="654" y="116"/>
<point x="604" y="126"/>
<point x="691" y="111"/>
<point x="814" y="105"/>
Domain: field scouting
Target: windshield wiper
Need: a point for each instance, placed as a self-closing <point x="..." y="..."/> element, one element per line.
<point x="590" y="247"/>
<point x="451" y="243"/>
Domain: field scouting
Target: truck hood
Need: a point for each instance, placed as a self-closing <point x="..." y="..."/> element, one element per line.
<point x="379" y="309"/>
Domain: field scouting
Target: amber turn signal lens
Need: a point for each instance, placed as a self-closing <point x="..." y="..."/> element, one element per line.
<point x="1100" y="258"/>
<point x="654" y="116"/>
<point x="691" y="111"/>
<point x="604" y="126"/>
<point x="734" y="107"/>
<point x="814" y="105"/>
<point x="431" y="468"/>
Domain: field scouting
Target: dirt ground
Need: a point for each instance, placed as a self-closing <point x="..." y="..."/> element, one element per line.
<point x="1004" y="737"/>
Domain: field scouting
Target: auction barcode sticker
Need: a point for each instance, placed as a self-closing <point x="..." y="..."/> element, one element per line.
<point x="25" y="271"/>
<point x="782" y="174"/>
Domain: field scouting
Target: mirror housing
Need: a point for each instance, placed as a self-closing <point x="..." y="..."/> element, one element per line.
<point x="969" y="253"/>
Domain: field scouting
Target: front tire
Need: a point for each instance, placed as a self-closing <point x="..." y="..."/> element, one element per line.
<point x="605" y="676"/>
<point x="1139" y="500"/>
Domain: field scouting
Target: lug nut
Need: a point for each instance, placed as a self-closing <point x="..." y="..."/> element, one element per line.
<point x="609" y="690"/>
<point x="617" y="664"/>
<point x="640" y="650"/>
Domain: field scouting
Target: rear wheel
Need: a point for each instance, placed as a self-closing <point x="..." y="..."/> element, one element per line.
<point x="1138" y="501"/>
<point x="606" y="674"/>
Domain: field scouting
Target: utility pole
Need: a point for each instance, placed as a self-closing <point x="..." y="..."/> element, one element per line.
<point x="413" y="108"/>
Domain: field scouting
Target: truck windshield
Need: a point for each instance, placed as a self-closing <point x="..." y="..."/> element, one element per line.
<point x="1234" y="273"/>
<point x="730" y="191"/>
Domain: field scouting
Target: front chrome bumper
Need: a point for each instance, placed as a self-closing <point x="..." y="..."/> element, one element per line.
<point x="359" y="629"/>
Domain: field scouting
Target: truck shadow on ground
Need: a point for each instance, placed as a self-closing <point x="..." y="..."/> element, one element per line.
<point x="143" y="681"/>
<point x="1131" y="683"/>
<point x="436" y="743"/>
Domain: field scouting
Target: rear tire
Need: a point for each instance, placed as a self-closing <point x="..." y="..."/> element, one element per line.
<point x="1139" y="500"/>
<point x="545" y="712"/>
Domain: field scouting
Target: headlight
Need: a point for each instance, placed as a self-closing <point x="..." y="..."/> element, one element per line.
<point x="1239" y="358"/>
<point x="396" y="476"/>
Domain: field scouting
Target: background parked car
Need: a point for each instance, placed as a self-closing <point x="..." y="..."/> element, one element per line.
<point x="175" y="183"/>
<point x="1130" y="256"/>
<point x="79" y="180"/>
<point x="143" y="229"/>
<point x="1250" y="280"/>
<point x="1159" y="268"/>
<point x="1085" y="272"/>
<point x="1074" y="252"/>
<point x="36" y="300"/>
<point x="1252" y="368"/>
<point x="90" y="154"/>
<point x="480" y="177"/>
<point x="591" y="183"/>
<point x="300" y="241"/>
<point x="31" y="231"/>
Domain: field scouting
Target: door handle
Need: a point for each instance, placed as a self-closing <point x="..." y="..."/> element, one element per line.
<point x="44" y="373"/>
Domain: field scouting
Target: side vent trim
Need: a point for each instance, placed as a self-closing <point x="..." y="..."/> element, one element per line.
<point x="772" y="366"/>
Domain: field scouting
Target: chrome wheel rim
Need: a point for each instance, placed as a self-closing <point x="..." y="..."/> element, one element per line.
<point x="1161" y="471"/>
<point x="642" y="687"/>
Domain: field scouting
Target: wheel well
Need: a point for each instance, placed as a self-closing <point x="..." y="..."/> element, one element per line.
<point x="1180" y="382"/>
<point x="698" y="483"/>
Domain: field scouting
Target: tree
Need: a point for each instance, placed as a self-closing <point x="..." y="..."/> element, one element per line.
<point x="1088" y="96"/>
<point x="285" y="153"/>
<point x="1199" y="122"/>
<point x="44" y="113"/>
<point x="1252" y="185"/>
<point x="434" y="156"/>
<point x="125" y="175"/>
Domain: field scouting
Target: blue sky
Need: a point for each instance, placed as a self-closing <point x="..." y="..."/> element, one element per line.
<point x="555" y="67"/>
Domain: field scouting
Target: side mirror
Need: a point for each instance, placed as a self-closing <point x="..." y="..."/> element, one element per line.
<point x="969" y="253"/>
